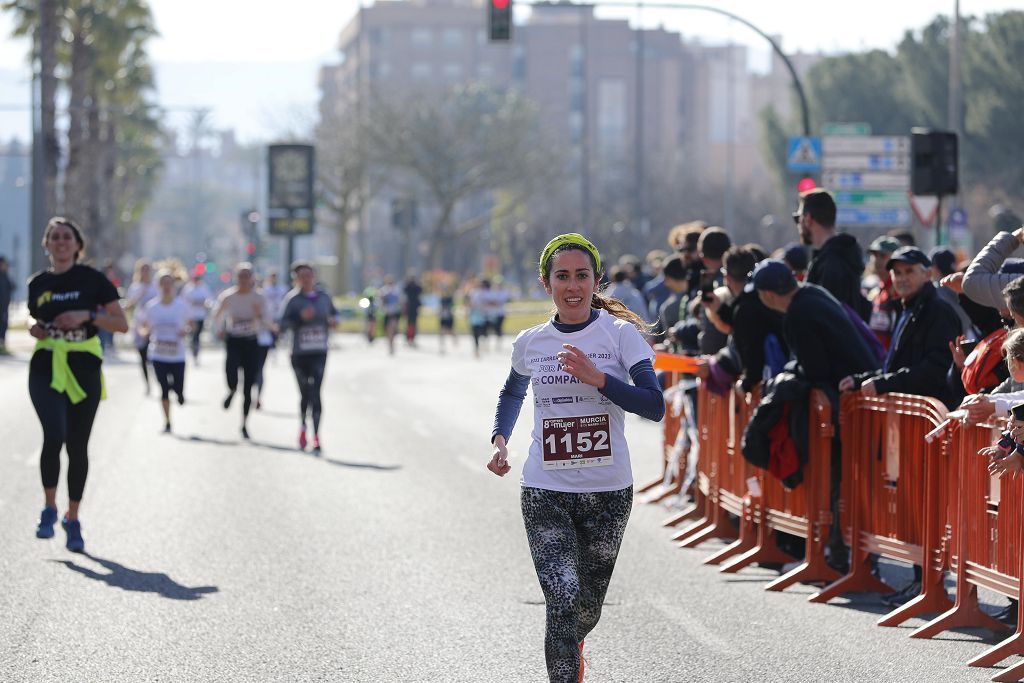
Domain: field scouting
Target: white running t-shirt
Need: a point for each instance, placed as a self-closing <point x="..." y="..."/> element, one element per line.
<point x="166" y="321"/>
<point x="578" y="442"/>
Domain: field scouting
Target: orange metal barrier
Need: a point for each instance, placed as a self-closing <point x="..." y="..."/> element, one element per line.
<point x="897" y="484"/>
<point x="713" y="470"/>
<point x="802" y="512"/>
<point x="673" y="466"/>
<point x="988" y="547"/>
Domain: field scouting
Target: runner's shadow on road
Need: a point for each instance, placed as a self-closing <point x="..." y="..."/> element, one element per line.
<point x="122" y="577"/>
<point x="272" y="446"/>
<point x="361" y="465"/>
<point x="195" y="438"/>
<point x="278" y="414"/>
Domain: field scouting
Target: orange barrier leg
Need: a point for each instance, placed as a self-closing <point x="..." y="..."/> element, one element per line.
<point x="859" y="580"/>
<point x="691" y="512"/>
<point x="1014" y="673"/>
<point x="932" y="600"/>
<point x="746" y="541"/>
<point x="724" y="531"/>
<point x="965" y="613"/>
<point x="657" y="495"/>
<point x="764" y="550"/>
<point x="1014" y="645"/>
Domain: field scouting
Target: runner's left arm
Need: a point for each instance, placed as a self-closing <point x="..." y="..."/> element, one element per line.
<point x="643" y="397"/>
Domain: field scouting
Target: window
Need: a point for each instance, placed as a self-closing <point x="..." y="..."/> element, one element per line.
<point x="452" y="37"/>
<point x="452" y="71"/>
<point x="422" y="36"/>
<point x="485" y="71"/>
<point x="611" y="116"/>
<point x="422" y="70"/>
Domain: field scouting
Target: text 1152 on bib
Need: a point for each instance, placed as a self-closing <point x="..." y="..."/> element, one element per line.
<point x="575" y="442"/>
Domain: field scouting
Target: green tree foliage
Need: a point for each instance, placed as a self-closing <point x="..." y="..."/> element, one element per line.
<point x="909" y="87"/>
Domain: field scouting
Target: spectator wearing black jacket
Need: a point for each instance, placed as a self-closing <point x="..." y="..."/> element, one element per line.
<point x="837" y="261"/>
<point x="920" y="354"/>
<point x="820" y="335"/>
<point x="751" y="322"/>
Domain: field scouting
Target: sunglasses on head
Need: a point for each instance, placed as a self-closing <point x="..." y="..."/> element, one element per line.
<point x="797" y="217"/>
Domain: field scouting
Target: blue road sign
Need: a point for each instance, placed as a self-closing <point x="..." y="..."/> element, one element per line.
<point x="894" y="217"/>
<point x="958" y="218"/>
<point x="803" y="155"/>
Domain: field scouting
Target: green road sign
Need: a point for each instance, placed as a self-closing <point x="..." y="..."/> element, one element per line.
<point x="871" y="198"/>
<point x="858" y="128"/>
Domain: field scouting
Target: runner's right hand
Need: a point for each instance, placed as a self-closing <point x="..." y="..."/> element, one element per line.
<point x="499" y="458"/>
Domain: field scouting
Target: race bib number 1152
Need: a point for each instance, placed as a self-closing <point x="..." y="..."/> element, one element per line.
<point x="574" y="442"/>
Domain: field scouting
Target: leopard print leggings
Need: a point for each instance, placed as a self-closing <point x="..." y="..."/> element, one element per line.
<point x="574" y="539"/>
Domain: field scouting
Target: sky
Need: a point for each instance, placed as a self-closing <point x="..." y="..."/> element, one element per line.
<point x="256" y="68"/>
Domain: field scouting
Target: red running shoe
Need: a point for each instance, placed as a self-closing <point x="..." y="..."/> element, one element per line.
<point x="302" y="440"/>
<point x="581" y="662"/>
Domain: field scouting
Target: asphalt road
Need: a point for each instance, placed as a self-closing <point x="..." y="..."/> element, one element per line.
<point x="395" y="556"/>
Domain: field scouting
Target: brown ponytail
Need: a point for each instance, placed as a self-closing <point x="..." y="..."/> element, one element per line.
<point x="620" y="311"/>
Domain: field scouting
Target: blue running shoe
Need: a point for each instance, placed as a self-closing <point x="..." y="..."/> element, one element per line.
<point x="47" y="518"/>
<point x="73" y="527"/>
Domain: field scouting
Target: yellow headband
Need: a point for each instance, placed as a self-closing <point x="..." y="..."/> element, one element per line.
<point x="570" y="238"/>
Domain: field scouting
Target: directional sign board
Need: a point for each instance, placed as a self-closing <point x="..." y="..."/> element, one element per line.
<point x="804" y="155"/>
<point x="869" y="175"/>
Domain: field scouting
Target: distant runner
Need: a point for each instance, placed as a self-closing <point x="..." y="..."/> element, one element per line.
<point x="310" y="314"/>
<point x="166" y="321"/>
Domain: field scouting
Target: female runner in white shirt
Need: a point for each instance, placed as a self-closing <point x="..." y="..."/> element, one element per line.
<point x="577" y="483"/>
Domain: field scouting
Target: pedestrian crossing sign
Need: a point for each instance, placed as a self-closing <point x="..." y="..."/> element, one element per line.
<point x="804" y="154"/>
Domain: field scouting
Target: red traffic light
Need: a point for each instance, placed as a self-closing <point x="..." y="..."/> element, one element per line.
<point x="250" y="249"/>
<point x="806" y="185"/>
<point x="199" y="270"/>
<point x="500" y="4"/>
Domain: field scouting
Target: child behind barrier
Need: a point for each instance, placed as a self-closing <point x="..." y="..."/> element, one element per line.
<point x="1007" y="454"/>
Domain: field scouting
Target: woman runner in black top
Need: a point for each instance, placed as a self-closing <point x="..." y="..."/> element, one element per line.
<point x="69" y="303"/>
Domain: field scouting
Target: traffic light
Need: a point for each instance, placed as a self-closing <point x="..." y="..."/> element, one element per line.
<point x="933" y="168"/>
<point x="499" y="20"/>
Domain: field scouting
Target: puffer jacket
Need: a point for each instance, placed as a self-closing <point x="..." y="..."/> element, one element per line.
<point x="983" y="283"/>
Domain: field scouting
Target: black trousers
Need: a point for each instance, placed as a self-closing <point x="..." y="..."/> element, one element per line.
<point x="243" y="354"/>
<point x="65" y="424"/>
<point x="309" y="373"/>
<point x="171" y="376"/>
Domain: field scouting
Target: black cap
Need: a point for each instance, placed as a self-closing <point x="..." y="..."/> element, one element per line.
<point x="908" y="255"/>
<point x="771" y="275"/>
<point x="795" y="255"/>
<point x="944" y="259"/>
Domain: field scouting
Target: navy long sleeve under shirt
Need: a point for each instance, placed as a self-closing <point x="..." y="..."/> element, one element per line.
<point x="643" y="397"/>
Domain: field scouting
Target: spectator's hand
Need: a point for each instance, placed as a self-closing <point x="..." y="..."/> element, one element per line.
<point x="954" y="281"/>
<point x="1019" y="234"/>
<point x="1011" y="464"/>
<point x="712" y="302"/>
<point x="958" y="354"/>
<point x="703" y="367"/>
<point x="1016" y="430"/>
<point x="979" y="408"/>
<point x="868" y="388"/>
<point x="846" y="384"/>
<point x="499" y="457"/>
<point x="582" y="368"/>
<point x="992" y="452"/>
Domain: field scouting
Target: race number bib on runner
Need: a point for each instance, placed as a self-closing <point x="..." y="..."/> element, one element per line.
<point x="243" y="327"/>
<point x="312" y="339"/>
<point x="163" y="347"/>
<point x="574" y="442"/>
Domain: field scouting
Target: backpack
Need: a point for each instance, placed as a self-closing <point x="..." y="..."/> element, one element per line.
<point x="980" y="366"/>
<point x="865" y="332"/>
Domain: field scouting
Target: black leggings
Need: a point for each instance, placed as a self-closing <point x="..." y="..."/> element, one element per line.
<point x="144" y="358"/>
<point x="309" y="373"/>
<point x="197" y="329"/>
<point x="261" y="360"/>
<point x="170" y="376"/>
<point x="243" y="354"/>
<point x="574" y="539"/>
<point x="65" y="424"/>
